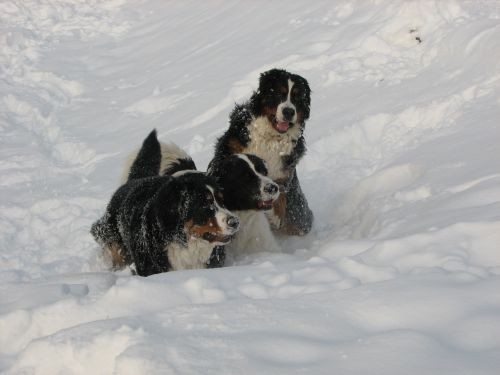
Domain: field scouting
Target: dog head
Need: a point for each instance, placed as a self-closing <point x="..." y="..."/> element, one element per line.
<point x="199" y="204"/>
<point x="244" y="182"/>
<point x="284" y="98"/>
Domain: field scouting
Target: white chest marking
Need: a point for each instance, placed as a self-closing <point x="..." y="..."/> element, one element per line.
<point x="270" y="145"/>
<point x="194" y="256"/>
<point x="254" y="235"/>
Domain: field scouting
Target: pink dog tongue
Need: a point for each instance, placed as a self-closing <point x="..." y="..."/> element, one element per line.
<point x="282" y="126"/>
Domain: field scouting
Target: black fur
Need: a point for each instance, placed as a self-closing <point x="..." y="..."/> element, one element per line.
<point x="148" y="213"/>
<point x="298" y="213"/>
<point x="299" y="217"/>
<point x="148" y="160"/>
<point x="134" y="223"/>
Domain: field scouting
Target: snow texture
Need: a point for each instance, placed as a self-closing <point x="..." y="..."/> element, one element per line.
<point x="401" y="272"/>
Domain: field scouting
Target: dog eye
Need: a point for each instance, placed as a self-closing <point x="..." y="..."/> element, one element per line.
<point x="262" y="170"/>
<point x="208" y="205"/>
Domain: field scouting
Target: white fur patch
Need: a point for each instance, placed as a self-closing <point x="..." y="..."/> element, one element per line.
<point x="254" y="235"/>
<point x="193" y="256"/>
<point x="170" y="153"/>
<point x="186" y="171"/>
<point x="270" y="145"/>
<point x="287" y="104"/>
<point x="128" y="164"/>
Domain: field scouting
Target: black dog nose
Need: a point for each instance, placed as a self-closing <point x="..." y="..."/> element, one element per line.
<point x="233" y="222"/>
<point x="288" y="113"/>
<point x="271" y="189"/>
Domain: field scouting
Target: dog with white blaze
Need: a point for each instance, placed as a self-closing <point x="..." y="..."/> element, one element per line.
<point x="158" y="223"/>
<point x="270" y="125"/>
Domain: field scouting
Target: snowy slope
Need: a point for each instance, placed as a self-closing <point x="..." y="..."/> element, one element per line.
<point x="402" y="270"/>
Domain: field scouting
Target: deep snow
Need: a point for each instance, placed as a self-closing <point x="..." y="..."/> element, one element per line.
<point x="402" y="270"/>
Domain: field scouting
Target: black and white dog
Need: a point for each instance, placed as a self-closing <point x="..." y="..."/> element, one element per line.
<point x="270" y="125"/>
<point x="246" y="191"/>
<point x="158" y="223"/>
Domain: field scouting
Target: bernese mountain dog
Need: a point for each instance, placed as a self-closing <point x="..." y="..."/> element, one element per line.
<point x="270" y="125"/>
<point x="246" y="189"/>
<point x="249" y="193"/>
<point x="157" y="223"/>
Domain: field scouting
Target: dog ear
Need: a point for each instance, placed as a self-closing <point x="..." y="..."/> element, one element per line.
<point x="172" y="205"/>
<point x="263" y="77"/>
<point x="218" y="169"/>
<point x="215" y="167"/>
<point x="270" y="74"/>
<point x="305" y="98"/>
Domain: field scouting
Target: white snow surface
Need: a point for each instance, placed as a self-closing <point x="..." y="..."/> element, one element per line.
<point x="401" y="273"/>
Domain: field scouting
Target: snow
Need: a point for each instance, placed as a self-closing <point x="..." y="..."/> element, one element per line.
<point x="401" y="272"/>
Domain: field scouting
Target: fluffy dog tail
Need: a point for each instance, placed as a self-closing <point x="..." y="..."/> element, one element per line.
<point x="156" y="158"/>
<point x="147" y="161"/>
<point x="174" y="159"/>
